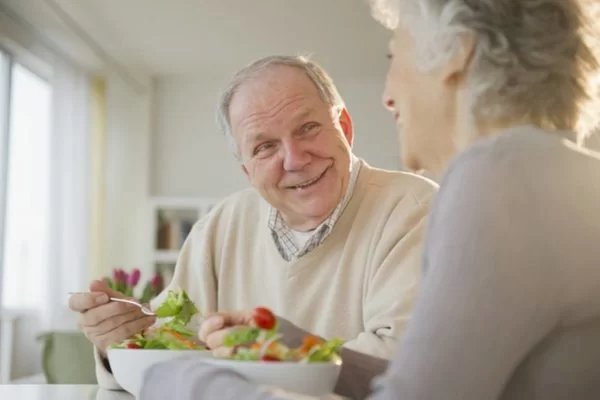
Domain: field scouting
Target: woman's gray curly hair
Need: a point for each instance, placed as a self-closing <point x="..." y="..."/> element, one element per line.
<point x="535" y="60"/>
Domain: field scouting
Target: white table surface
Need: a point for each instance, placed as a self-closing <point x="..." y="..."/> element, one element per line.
<point x="60" y="392"/>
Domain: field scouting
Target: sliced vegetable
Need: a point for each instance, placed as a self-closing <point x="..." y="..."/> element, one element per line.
<point x="263" y="343"/>
<point x="268" y="357"/>
<point x="328" y="351"/>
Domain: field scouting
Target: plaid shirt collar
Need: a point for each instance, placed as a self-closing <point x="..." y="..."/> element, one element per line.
<point x="282" y="233"/>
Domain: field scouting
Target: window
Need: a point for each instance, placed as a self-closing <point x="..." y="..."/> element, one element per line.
<point x="26" y="190"/>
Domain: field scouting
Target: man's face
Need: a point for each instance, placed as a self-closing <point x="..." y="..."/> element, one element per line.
<point x="295" y="148"/>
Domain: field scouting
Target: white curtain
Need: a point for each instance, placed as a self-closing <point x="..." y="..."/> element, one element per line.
<point x="69" y="226"/>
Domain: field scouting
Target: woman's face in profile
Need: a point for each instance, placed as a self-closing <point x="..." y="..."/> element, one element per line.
<point x="422" y="104"/>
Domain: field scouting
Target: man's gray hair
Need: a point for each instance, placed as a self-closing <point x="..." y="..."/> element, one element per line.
<point x="313" y="71"/>
<point x="535" y="60"/>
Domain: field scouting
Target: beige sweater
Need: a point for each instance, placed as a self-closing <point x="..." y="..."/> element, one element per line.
<point x="359" y="284"/>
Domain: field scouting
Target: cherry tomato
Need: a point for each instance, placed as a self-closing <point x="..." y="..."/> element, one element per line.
<point x="133" y="346"/>
<point x="264" y="318"/>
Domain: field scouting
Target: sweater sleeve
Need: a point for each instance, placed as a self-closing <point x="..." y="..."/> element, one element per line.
<point x="394" y="277"/>
<point x="490" y="291"/>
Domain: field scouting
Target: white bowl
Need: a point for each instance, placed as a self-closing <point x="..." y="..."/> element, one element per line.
<point x="129" y="365"/>
<point x="314" y="379"/>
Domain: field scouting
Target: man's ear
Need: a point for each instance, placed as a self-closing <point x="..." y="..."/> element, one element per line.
<point x="458" y="64"/>
<point x="346" y="124"/>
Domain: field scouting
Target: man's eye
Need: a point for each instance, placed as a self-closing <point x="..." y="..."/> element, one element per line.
<point x="263" y="148"/>
<point x="309" y="127"/>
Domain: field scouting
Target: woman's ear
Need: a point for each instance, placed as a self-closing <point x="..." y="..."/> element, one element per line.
<point x="459" y="62"/>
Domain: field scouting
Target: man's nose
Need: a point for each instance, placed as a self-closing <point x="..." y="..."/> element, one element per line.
<point x="295" y="156"/>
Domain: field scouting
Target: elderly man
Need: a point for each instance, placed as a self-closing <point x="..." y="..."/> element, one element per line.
<point x="331" y="244"/>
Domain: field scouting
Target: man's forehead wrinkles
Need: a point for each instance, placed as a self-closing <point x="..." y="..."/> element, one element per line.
<point x="272" y="112"/>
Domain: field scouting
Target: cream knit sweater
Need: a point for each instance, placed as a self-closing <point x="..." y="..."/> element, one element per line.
<point x="359" y="284"/>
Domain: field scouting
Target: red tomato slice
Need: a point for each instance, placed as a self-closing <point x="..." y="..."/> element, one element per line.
<point x="269" y="358"/>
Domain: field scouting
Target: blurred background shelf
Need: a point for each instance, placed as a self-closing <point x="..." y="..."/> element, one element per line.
<point x="166" y="256"/>
<point x="172" y="221"/>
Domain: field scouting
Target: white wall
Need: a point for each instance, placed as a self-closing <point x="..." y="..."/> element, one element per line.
<point x="126" y="214"/>
<point x="375" y="138"/>
<point x="190" y="156"/>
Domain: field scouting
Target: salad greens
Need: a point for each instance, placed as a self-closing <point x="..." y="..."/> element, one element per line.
<point x="178" y="306"/>
<point x="172" y="334"/>
<point x="325" y="351"/>
<point x="241" y="336"/>
<point x="262" y="342"/>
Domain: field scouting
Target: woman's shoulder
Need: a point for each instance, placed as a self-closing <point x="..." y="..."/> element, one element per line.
<point x="522" y="153"/>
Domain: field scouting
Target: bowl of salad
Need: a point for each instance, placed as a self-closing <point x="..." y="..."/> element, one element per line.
<point x="170" y="338"/>
<point x="258" y="352"/>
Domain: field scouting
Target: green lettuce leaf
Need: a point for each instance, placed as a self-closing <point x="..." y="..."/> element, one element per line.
<point x="328" y="351"/>
<point x="240" y="336"/>
<point x="179" y="306"/>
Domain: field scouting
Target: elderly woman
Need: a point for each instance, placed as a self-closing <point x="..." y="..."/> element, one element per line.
<point x="510" y="305"/>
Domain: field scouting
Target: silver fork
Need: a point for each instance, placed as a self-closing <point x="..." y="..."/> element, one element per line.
<point x="143" y="308"/>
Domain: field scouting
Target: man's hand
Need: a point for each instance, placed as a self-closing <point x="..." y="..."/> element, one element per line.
<point x="217" y="325"/>
<point x="104" y="322"/>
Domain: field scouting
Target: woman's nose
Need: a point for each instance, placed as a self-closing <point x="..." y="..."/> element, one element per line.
<point x="388" y="103"/>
